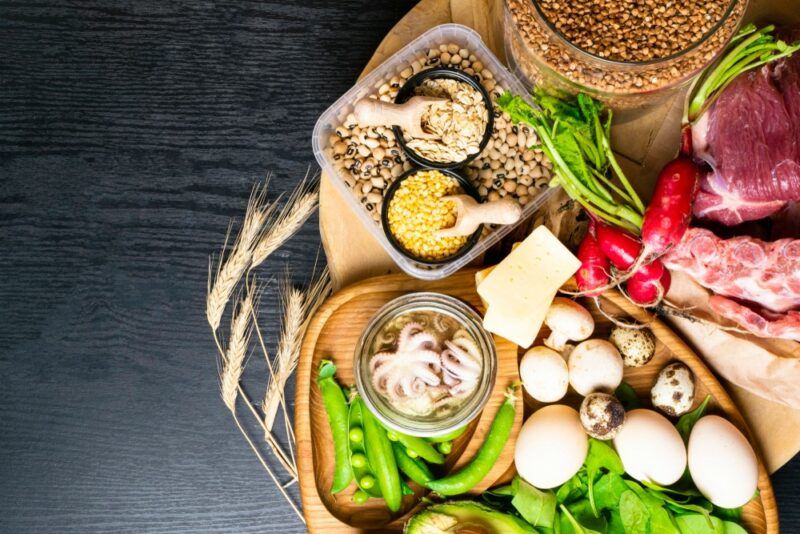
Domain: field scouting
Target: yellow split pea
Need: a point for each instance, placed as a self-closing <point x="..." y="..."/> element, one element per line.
<point x="417" y="211"/>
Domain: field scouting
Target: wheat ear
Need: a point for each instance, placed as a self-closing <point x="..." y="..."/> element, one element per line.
<point x="231" y="268"/>
<point x="298" y="208"/>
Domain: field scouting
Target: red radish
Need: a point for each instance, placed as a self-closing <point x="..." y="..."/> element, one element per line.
<point x="667" y="217"/>
<point x="594" y="269"/>
<point x="686" y="141"/>
<point x="645" y="290"/>
<point x="620" y="247"/>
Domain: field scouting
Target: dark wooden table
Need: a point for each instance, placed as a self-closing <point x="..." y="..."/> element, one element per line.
<point x="130" y="132"/>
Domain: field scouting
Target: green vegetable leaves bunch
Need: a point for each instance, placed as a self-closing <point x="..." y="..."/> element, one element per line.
<point x="601" y="499"/>
<point x="575" y="136"/>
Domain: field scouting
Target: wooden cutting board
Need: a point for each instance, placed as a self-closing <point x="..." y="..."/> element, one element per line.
<point x="646" y="140"/>
<point x="333" y="334"/>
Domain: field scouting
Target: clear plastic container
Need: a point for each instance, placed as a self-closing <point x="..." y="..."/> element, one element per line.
<point x="337" y="114"/>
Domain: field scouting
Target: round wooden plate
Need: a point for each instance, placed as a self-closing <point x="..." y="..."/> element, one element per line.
<point x="333" y="334"/>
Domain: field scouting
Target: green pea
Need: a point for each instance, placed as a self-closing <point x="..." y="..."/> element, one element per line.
<point x="381" y="460"/>
<point x="411" y="454"/>
<point x="360" y="497"/>
<point x="358" y="450"/>
<point x="356" y="434"/>
<point x="468" y="477"/>
<point x="445" y="447"/>
<point x="450" y="436"/>
<point x="421" y="448"/>
<point x="413" y="468"/>
<point x="358" y="460"/>
<point x="367" y="482"/>
<point x="336" y="408"/>
<point x="391" y="435"/>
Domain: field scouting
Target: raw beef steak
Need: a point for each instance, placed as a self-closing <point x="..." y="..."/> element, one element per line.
<point x="750" y="138"/>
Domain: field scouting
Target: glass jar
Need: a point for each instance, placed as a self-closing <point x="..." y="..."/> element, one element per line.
<point x="542" y="55"/>
<point x="441" y="313"/>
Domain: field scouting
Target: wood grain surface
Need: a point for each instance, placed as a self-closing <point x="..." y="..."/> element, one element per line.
<point x="334" y="335"/>
<point x="130" y="132"/>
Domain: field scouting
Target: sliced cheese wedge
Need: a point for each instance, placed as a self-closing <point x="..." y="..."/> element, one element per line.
<point x="519" y="290"/>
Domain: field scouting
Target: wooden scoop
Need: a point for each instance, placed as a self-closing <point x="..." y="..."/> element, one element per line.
<point x="470" y="214"/>
<point x="408" y="115"/>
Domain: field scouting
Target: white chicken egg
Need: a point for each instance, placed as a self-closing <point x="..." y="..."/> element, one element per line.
<point x="544" y="374"/>
<point x="551" y="446"/>
<point x="651" y="449"/>
<point x="722" y="463"/>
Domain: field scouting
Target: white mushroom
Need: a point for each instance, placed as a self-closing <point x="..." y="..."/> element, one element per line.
<point x="595" y="365"/>
<point x="636" y="345"/>
<point x="567" y="321"/>
<point x="544" y="374"/>
<point x="673" y="392"/>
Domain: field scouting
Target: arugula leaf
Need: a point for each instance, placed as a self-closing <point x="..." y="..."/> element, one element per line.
<point x="537" y="507"/>
<point x="634" y="514"/>
<point x="687" y="421"/>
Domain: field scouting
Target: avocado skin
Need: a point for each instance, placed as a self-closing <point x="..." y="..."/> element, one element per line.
<point x="445" y="518"/>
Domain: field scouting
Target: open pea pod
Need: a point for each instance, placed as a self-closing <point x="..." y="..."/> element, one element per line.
<point x="358" y="448"/>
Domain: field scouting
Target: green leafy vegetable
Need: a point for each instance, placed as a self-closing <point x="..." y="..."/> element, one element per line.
<point x="600" y="456"/>
<point x="750" y="49"/>
<point x="687" y="421"/>
<point x="537" y="507"/>
<point x="634" y="514"/>
<point x="576" y="139"/>
<point x="627" y="396"/>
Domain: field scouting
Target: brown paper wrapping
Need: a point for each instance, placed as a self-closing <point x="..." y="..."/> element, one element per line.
<point x="759" y="373"/>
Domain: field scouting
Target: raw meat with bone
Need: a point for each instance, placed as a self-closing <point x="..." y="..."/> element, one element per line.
<point x="750" y="138"/>
<point x="757" y="283"/>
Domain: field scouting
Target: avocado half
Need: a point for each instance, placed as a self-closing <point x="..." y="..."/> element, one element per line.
<point x="465" y="517"/>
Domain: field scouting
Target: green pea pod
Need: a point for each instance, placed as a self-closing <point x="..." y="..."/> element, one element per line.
<point x="423" y="448"/>
<point x="336" y="408"/>
<point x="413" y="468"/>
<point x="358" y="447"/>
<point x="381" y="458"/>
<point x="450" y="436"/>
<point x="406" y="489"/>
<point x="467" y="478"/>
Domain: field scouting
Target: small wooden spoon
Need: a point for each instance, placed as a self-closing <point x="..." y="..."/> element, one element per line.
<point x="470" y="214"/>
<point x="408" y="115"/>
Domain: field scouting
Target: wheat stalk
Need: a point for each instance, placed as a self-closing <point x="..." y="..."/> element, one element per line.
<point x="233" y="366"/>
<point x="230" y="271"/>
<point x="298" y="208"/>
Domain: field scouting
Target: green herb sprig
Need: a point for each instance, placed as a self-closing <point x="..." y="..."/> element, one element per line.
<point x="575" y="136"/>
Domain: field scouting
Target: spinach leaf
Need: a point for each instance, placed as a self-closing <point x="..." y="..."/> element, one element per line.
<point x="537" y="507"/>
<point x="607" y="491"/>
<point x="600" y="456"/>
<point x="627" y="396"/>
<point x="687" y="421"/>
<point x="572" y="489"/>
<point x="582" y="511"/>
<point x="568" y="524"/>
<point x="699" y="524"/>
<point x="634" y="514"/>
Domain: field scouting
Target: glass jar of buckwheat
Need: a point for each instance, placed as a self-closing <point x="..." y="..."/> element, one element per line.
<point x="627" y="53"/>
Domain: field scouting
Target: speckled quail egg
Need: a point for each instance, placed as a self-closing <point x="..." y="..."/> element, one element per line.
<point x="673" y="392"/>
<point x="636" y="345"/>
<point x="602" y="415"/>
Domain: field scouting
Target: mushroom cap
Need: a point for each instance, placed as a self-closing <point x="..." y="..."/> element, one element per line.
<point x="595" y="365"/>
<point x="567" y="320"/>
<point x="673" y="392"/>
<point x="544" y="374"/>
